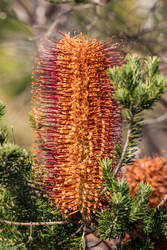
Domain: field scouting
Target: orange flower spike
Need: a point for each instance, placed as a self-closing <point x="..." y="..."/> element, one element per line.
<point x="80" y="119"/>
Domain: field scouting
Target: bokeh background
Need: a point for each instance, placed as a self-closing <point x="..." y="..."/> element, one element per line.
<point x="140" y="24"/>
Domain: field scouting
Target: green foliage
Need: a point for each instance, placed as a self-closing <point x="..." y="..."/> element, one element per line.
<point x="33" y="123"/>
<point x="139" y="204"/>
<point x="23" y="201"/>
<point x="138" y="88"/>
<point x="138" y="85"/>
<point x="127" y="214"/>
<point x="3" y="131"/>
<point x="12" y="246"/>
<point x="2" y="109"/>
<point x="32" y="120"/>
<point x="34" y="207"/>
<point x="124" y="210"/>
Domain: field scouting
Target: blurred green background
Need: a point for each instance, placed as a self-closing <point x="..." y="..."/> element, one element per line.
<point x="141" y="25"/>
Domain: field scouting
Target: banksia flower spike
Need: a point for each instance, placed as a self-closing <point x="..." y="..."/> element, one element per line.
<point x="151" y="171"/>
<point x="76" y="120"/>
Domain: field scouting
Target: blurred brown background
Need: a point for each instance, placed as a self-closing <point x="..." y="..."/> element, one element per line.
<point x="141" y="24"/>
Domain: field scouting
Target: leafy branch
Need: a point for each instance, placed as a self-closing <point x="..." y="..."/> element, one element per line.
<point x="138" y="85"/>
<point x="124" y="150"/>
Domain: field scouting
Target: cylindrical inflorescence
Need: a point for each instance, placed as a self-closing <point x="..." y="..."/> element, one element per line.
<point x="76" y="119"/>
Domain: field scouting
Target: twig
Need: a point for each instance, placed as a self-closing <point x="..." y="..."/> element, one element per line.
<point x="123" y="151"/>
<point x="13" y="137"/>
<point x="29" y="224"/>
<point x="125" y="146"/>
<point x="98" y="243"/>
<point x="54" y="24"/>
<point x="71" y="236"/>
<point x="162" y="203"/>
<point x="21" y="8"/>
